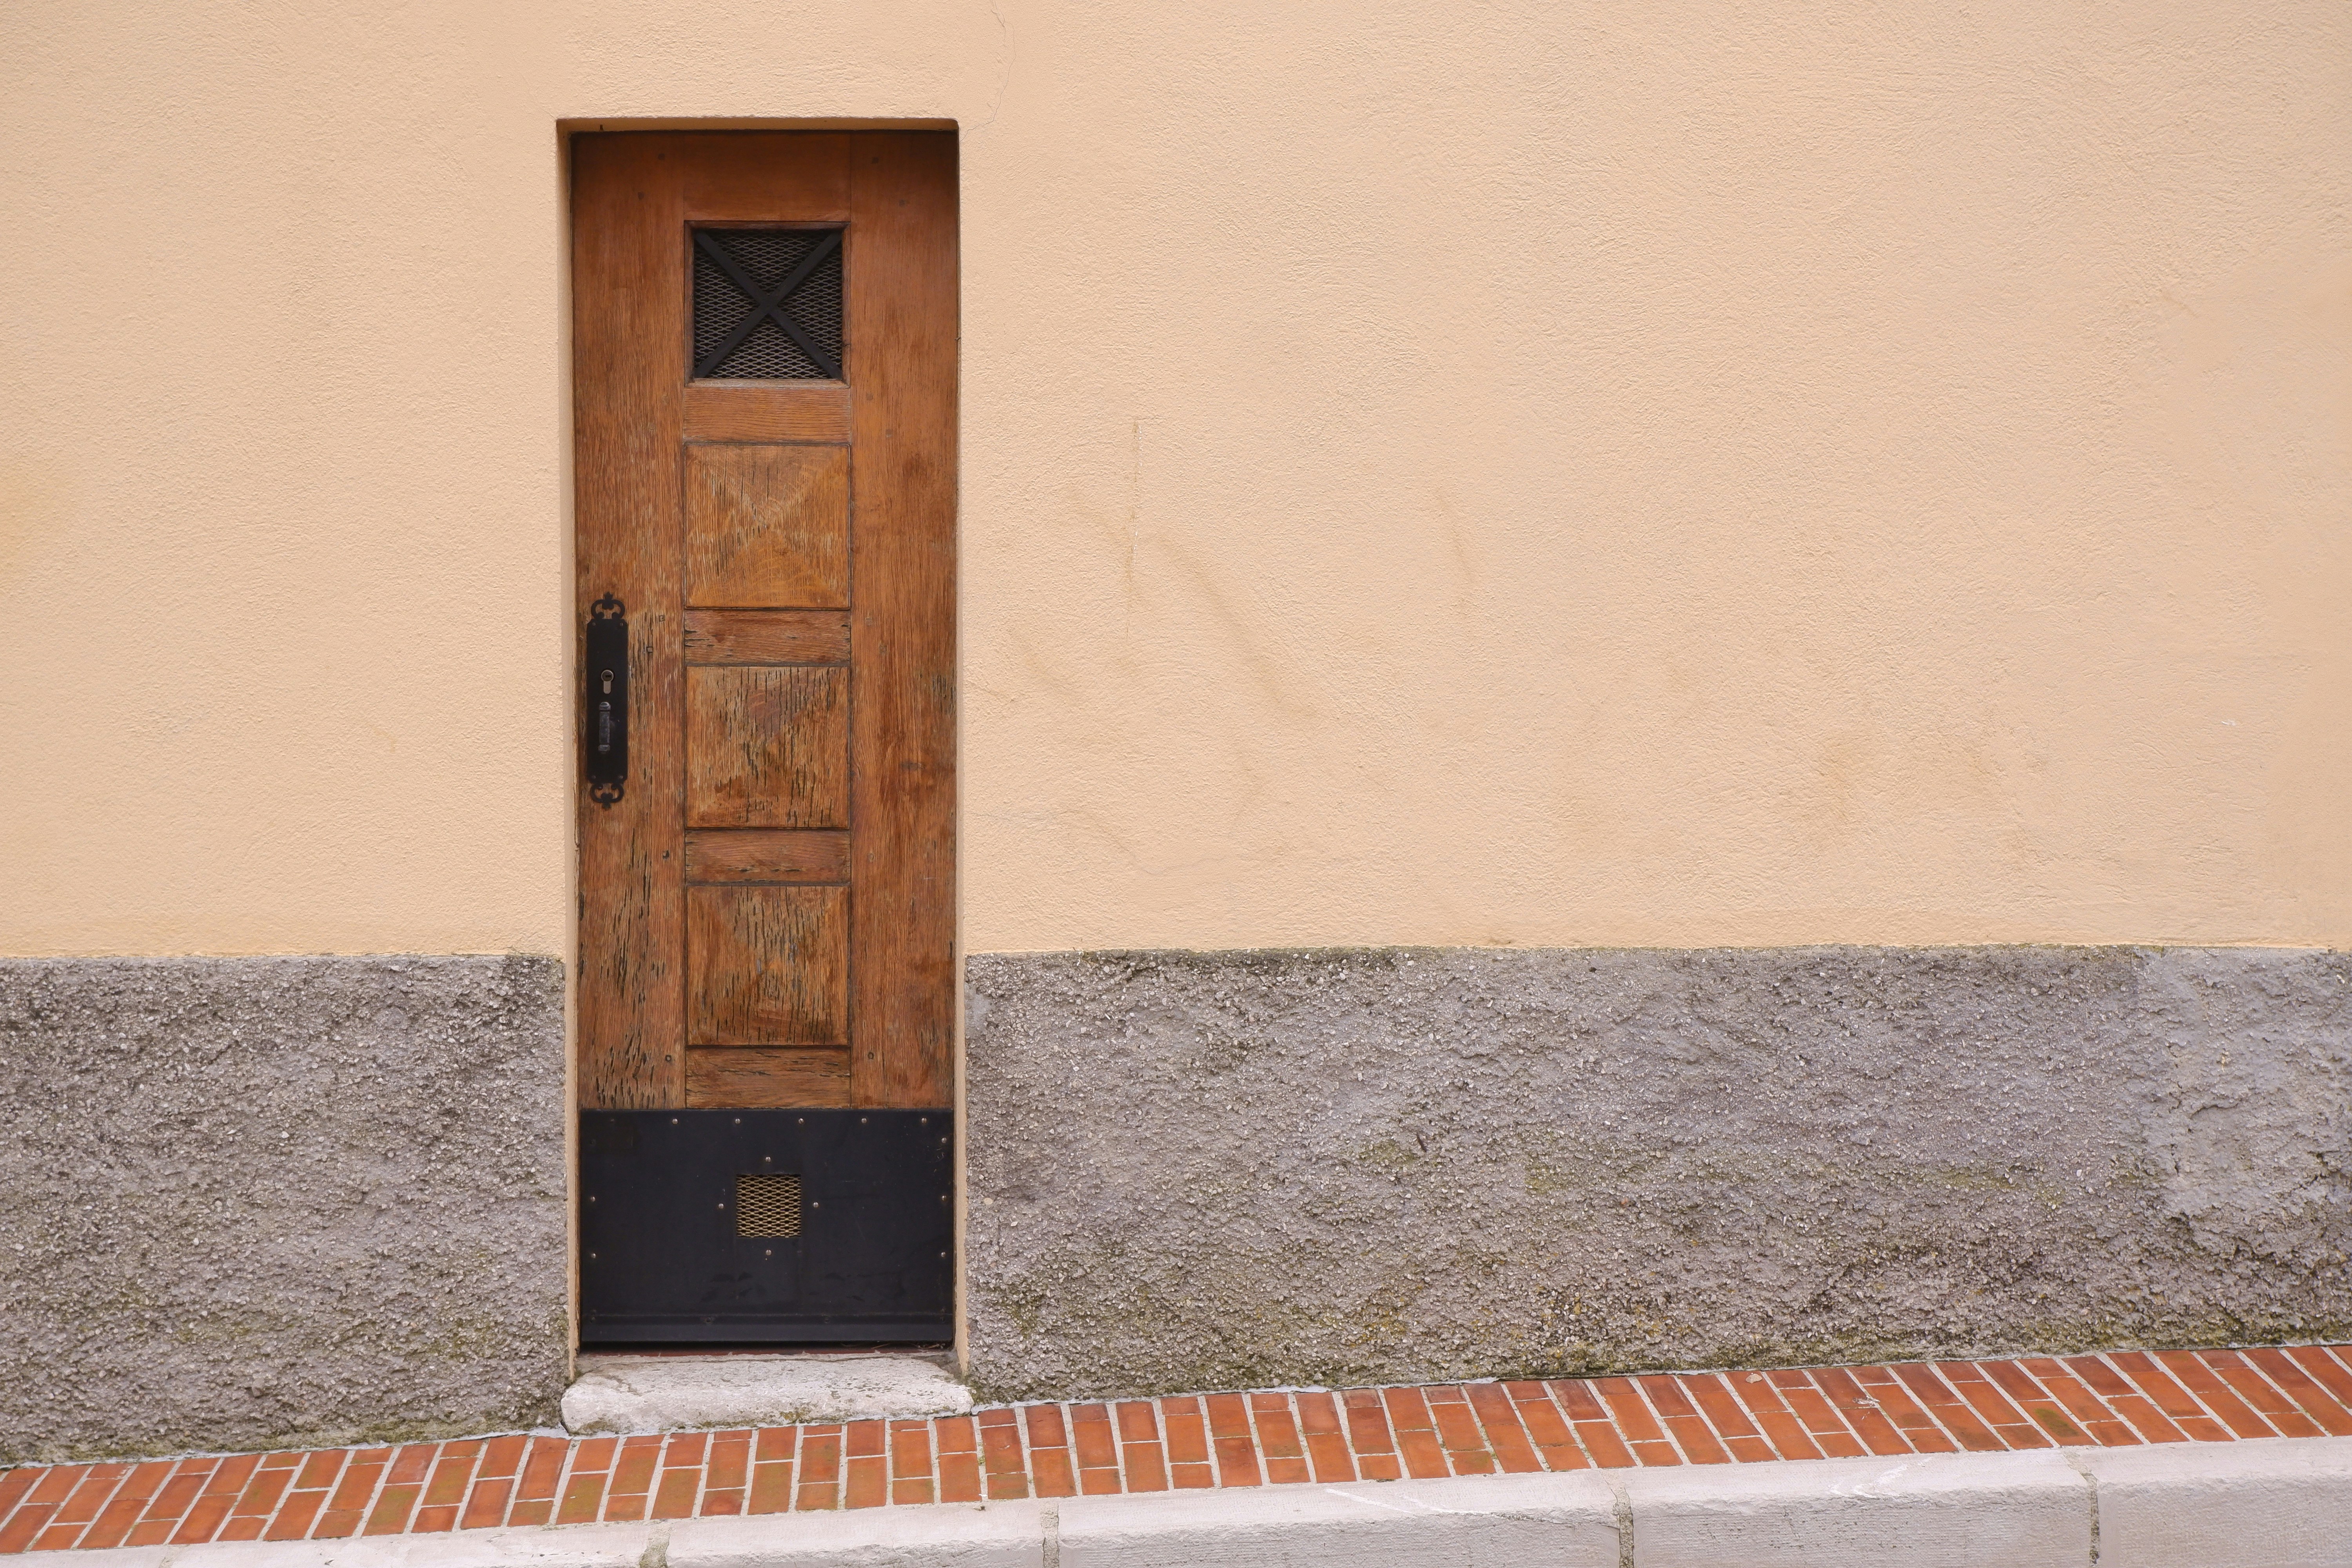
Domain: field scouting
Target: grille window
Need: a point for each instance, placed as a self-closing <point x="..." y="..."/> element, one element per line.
<point x="767" y="304"/>
<point x="767" y="1205"/>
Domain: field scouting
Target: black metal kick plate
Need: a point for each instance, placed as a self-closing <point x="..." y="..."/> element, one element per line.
<point x="661" y="1259"/>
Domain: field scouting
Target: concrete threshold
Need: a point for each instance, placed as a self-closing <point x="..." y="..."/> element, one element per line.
<point x="2283" y="1502"/>
<point x="620" y="1393"/>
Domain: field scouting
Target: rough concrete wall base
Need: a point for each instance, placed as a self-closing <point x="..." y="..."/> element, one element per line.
<point x="1206" y="1170"/>
<point x="279" y="1201"/>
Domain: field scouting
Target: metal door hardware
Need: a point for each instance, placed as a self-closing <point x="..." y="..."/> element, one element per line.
<point x="607" y="707"/>
<point x="785" y="280"/>
<point x="685" y="1239"/>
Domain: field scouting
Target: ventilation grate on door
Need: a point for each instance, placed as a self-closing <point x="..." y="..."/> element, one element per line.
<point x="767" y="304"/>
<point x="767" y="1205"/>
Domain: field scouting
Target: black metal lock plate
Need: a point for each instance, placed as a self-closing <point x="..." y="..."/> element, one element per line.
<point x="661" y="1259"/>
<point x="606" y="742"/>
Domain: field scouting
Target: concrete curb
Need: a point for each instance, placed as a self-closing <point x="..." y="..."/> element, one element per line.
<point x="2275" y="1503"/>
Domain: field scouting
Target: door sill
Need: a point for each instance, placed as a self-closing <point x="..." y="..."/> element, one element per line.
<point x="669" y="1390"/>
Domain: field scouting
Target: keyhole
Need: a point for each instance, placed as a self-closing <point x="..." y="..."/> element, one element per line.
<point x="608" y="683"/>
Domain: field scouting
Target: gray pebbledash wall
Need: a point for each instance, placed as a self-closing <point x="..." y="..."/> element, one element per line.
<point x="247" y="1203"/>
<point x="1218" y="1170"/>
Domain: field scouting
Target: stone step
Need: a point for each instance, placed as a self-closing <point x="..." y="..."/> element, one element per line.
<point x="623" y="1393"/>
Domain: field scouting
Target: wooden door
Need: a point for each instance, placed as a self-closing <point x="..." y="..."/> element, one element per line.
<point x="764" y="401"/>
<point x="766" y="912"/>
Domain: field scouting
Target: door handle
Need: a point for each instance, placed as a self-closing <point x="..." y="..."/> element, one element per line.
<point x="606" y="746"/>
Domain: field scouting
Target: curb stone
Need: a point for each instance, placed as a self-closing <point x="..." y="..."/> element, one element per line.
<point x="1556" y="1521"/>
<point x="2282" y="1502"/>
<point x="1944" y="1510"/>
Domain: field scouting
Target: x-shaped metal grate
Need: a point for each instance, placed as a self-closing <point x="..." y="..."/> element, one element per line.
<point x="767" y="303"/>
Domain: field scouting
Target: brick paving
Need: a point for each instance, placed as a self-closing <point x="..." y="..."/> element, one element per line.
<point x="1192" y="1441"/>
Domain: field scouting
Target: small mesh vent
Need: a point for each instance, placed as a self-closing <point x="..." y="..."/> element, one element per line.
<point x="767" y="304"/>
<point x="767" y="1205"/>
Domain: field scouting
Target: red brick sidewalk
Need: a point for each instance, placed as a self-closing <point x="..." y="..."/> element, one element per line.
<point x="1190" y="1441"/>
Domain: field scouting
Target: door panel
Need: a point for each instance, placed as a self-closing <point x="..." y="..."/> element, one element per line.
<point x="767" y="636"/>
<point x="767" y="746"/>
<point x="807" y="411"/>
<point x="767" y="908"/>
<point x="767" y="525"/>
<point x="749" y="854"/>
<point x="767" y="1076"/>
<point x="770" y="966"/>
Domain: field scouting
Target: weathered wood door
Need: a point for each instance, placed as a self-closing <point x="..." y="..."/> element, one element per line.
<point x="764" y="402"/>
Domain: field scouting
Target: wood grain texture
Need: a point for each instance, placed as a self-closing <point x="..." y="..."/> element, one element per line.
<point x="768" y="411"/>
<point x="768" y="966"/>
<point x="628" y="322"/>
<point x="763" y="1077"/>
<point x="767" y="526"/>
<point x="901" y="304"/>
<point x="767" y="746"/>
<point x="746" y="717"/>
<point x="763" y="176"/>
<point x="767" y="636"/>
<point x="766" y="855"/>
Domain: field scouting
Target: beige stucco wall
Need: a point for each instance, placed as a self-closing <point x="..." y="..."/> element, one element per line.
<point x="1637" y="473"/>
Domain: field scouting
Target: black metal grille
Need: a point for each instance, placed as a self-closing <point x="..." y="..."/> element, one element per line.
<point x="767" y="304"/>
<point x="767" y="1205"/>
<point x="663" y="1259"/>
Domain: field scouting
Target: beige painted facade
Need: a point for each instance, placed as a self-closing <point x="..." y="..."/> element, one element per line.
<point x="1636" y="474"/>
